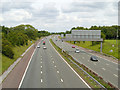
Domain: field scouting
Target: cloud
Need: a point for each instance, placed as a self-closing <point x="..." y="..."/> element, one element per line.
<point x="7" y="6"/>
<point x="84" y="7"/>
<point x="16" y="15"/>
<point x="47" y="11"/>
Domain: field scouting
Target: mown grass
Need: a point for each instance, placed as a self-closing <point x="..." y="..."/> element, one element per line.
<point x="107" y="46"/>
<point x="80" y="72"/>
<point x="18" y="51"/>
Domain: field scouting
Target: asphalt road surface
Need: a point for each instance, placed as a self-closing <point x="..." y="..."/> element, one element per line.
<point x="105" y="68"/>
<point x="48" y="70"/>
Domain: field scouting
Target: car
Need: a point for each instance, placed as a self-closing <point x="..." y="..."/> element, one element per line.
<point x="93" y="58"/>
<point x="73" y="46"/>
<point x="38" y="46"/>
<point x="77" y="50"/>
<point x="44" y="47"/>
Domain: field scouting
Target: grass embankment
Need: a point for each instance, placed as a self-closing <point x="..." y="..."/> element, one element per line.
<point x="90" y="81"/>
<point x="18" y="51"/>
<point x="107" y="46"/>
<point x="79" y="71"/>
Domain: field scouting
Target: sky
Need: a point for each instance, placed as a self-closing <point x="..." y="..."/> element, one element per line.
<point x="59" y="15"/>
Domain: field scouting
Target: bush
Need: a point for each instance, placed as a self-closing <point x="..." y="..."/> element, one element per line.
<point x="6" y="49"/>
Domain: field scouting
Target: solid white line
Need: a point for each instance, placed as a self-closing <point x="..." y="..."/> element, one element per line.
<point x="61" y="80"/>
<point x="71" y="67"/>
<point x="103" y="68"/>
<point x="41" y="80"/>
<point x="26" y="70"/>
<point x="115" y="75"/>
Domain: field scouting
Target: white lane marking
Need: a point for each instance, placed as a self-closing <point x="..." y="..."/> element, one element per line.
<point x="103" y="68"/>
<point x="41" y="72"/>
<point x="115" y="75"/>
<point x="83" y="57"/>
<point x="41" y="66"/>
<point x="41" y="62"/>
<point x="61" y="80"/>
<point x="41" y="58"/>
<point x="51" y="56"/>
<point x="88" y="60"/>
<point x="71" y="67"/>
<point x="55" y="66"/>
<point x="100" y="57"/>
<point x="26" y="69"/>
<point x="41" y="80"/>
<point x="53" y="61"/>
<point x="107" y="64"/>
<point x="57" y="71"/>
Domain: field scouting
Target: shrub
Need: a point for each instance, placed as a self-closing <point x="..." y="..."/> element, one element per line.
<point x="6" y="49"/>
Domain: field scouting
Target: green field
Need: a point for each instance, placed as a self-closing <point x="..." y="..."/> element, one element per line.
<point x="18" y="51"/>
<point x="107" y="46"/>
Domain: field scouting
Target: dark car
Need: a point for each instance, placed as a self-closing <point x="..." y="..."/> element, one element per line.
<point x="93" y="58"/>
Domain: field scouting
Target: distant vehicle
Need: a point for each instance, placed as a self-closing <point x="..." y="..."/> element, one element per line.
<point x="38" y="46"/>
<point x="44" y="47"/>
<point x="77" y="50"/>
<point x="56" y="40"/>
<point x="93" y="58"/>
<point x="43" y="42"/>
<point x="73" y="46"/>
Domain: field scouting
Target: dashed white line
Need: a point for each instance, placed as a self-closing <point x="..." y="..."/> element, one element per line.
<point x="41" y="58"/>
<point x="103" y="68"/>
<point x="41" y="62"/>
<point x="57" y="71"/>
<point x="55" y="66"/>
<point x="115" y="75"/>
<point x="41" y="66"/>
<point x="41" y="80"/>
<point x="83" y="57"/>
<point x="61" y="80"/>
<point x="41" y="72"/>
<point x="53" y="61"/>
<point x="71" y="67"/>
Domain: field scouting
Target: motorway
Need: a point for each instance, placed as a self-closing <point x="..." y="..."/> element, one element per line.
<point x="48" y="70"/>
<point x="105" y="68"/>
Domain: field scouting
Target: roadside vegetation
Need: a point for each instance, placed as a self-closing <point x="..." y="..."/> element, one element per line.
<point x="15" y="40"/>
<point x="109" y="35"/>
<point x="108" y="45"/>
<point x="90" y="81"/>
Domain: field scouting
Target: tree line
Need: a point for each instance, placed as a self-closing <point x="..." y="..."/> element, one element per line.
<point x="18" y="36"/>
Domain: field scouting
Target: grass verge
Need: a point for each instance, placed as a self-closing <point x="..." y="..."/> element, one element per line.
<point x="18" y="51"/>
<point x="80" y="72"/>
<point x="90" y="81"/>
